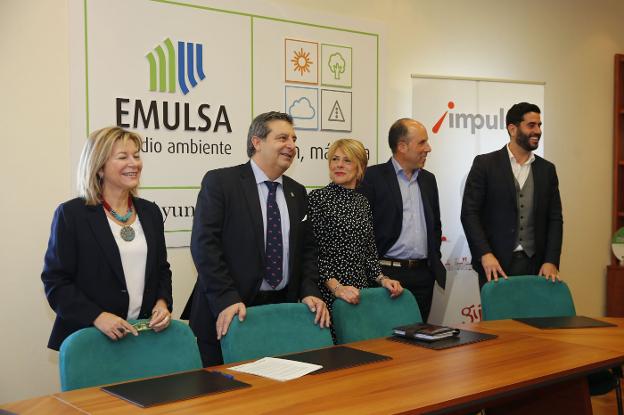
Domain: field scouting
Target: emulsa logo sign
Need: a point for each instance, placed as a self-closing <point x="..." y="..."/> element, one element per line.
<point x="172" y="72"/>
<point x="469" y="121"/>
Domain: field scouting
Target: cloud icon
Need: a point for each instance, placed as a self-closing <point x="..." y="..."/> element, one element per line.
<point x="302" y="108"/>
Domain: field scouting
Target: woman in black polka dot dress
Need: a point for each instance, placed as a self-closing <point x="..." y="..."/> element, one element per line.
<point x="342" y="223"/>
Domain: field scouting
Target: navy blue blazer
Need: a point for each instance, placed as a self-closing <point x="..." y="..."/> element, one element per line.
<point x="227" y="245"/>
<point x="489" y="211"/>
<point x="83" y="275"/>
<point x="381" y="188"/>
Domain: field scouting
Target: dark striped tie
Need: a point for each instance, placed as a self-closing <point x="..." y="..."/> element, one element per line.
<point x="274" y="248"/>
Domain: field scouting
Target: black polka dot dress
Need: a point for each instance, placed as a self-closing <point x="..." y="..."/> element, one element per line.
<point x="343" y="227"/>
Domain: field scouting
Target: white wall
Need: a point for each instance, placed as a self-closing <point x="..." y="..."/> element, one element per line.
<point x="567" y="44"/>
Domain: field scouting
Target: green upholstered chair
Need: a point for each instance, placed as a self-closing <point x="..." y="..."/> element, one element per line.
<point x="525" y="296"/>
<point x="89" y="358"/>
<point x="375" y="315"/>
<point x="532" y="296"/>
<point x="271" y="330"/>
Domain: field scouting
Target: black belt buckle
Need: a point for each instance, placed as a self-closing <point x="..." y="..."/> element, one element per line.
<point x="413" y="263"/>
<point x="271" y="296"/>
<point x="404" y="263"/>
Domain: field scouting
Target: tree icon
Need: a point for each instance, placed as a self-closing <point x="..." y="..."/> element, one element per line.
<point x="336" y="64"/>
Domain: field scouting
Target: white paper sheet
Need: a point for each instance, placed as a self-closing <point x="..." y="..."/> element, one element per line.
<point x="277" y="369"/>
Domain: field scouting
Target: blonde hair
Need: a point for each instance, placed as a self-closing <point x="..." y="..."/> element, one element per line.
<point x="95" y="153"/>
<point x="355" y="150"/>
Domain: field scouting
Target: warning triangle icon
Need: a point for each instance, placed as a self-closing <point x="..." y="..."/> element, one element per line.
<point x="336" y="113"/>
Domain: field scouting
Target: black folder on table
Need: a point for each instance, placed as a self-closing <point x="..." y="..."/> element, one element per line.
<point x="176" y="387"/>
<point x="462" y="338"/>
<point x="569" y="322"/>
<point x="425" y="331"/>
<point x="334" y="358"/>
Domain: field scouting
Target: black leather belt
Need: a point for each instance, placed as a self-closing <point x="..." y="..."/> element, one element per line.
<point x="271" y="297"/>
<point x="403" y="263"/>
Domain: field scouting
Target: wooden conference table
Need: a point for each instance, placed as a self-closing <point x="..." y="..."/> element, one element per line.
<point x="603" y="338"/>
<point x="523" y="371"/>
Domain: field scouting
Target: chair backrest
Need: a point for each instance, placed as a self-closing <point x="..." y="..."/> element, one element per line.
<point x="89" y="358"/>
<point x="525" y="296"/>
<point x="375" y="315"/>
<point x="271" y="330"/>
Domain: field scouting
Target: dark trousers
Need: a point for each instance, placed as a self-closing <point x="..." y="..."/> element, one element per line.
<point x="521" y="264"/>
<point x="210" y="351"/>
<point x="419" y="281"/>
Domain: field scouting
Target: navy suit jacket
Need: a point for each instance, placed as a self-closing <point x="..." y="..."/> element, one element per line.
<point x="381" y="188"/>
<point x="227" y="245"/>
<point x="489" y="211"/>
<point x="83" y="275"/>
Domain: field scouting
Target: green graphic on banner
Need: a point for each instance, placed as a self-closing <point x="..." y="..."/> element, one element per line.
<point x="162" y="75"/>
<point x="336" y="64"/>
<point x="190" y="66"/>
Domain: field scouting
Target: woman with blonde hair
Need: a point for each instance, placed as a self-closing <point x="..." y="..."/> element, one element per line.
<point x="106" y="261"/>
<point x="342" y="224"/>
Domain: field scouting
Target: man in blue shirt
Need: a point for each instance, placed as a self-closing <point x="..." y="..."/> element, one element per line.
<point x="406" y="213"/>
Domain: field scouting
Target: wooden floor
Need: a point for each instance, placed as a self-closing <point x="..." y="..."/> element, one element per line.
<point x="604" y="404"/>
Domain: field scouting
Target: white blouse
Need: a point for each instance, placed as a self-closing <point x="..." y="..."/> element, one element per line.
<point x="133" y="259"/>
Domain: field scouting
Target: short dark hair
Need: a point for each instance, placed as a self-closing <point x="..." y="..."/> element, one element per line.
<point x="259" y="127"/>
<point x="397" y="133"/>
<point x="515" y="115"/>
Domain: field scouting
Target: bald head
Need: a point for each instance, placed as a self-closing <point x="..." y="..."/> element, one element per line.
<point x="409" y="142"/>
<point x="403" y="130"/>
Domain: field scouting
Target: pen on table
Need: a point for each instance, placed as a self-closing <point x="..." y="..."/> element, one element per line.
<point x="227" y="375"/>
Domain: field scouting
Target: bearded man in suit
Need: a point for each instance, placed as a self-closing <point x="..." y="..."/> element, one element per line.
<point x="511" y="210"/>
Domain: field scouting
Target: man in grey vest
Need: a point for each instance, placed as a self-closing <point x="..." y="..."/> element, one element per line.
<point x="511" y="211"/>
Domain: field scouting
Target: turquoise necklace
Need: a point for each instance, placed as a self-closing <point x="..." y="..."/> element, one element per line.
<point x="126" y="233"/>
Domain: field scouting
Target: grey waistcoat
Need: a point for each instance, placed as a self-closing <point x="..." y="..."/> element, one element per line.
<point x="526" y="225"/>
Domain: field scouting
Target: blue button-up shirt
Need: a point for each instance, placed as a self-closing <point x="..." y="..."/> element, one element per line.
<point x="412" y="242"/>
<point x="263" y="192"/>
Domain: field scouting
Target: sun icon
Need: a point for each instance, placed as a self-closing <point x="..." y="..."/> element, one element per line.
<point x="301" y="61"/>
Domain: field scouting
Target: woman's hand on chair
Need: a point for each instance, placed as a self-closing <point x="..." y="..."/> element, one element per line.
<point x="393" y="286"/>
<point x="347" y="293"/>
<point x="113" y="326"/>
<point x="161" y="318"/>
